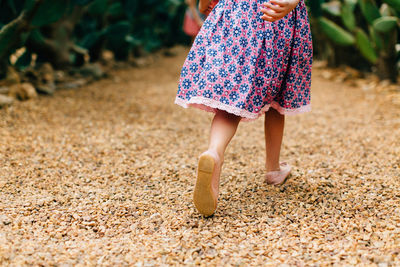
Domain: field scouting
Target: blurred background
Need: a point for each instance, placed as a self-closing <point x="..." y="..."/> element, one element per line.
<point x="104" y="175"/>
<point x="38" y="36"/>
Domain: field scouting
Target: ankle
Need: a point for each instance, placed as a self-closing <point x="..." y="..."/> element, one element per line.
<point x="217" y="154"/>
<point x="272" y="167"/>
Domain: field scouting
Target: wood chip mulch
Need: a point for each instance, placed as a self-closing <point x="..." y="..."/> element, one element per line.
<point x="104" y="175"/>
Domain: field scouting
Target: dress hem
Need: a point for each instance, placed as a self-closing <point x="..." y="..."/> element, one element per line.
<point x="212" y="105"/>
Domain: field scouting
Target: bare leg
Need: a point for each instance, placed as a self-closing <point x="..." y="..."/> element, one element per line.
<point x="274" y="126"/>
<point x="223" y="128"/>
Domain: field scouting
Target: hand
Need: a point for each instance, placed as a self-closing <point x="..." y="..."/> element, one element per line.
<point x="204" y="6"/>
<point x="276" y="9"/>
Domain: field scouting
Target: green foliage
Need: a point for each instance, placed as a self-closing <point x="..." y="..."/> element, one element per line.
<point x="369" y="10"/>
<point x="335" y="32"/>
<point x="123" y="26"/>
<point x="316" y="7"/>
<point x="49" y="11"/>
<point x="385" y="24"/>
<point x="393" y="3"/>
<point x="81" y="2"/>
<point x="371" y="28"/>
<point x="347" y="15"/>
<point x="365" y="46"/>
<point x="116" y="35"/>
<point x="368" y="28"/>
<point x="98" y="7"/>
<point x="7" y="35"/>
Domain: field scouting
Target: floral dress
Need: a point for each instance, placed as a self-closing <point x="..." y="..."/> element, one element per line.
<point x="244" y="65"/>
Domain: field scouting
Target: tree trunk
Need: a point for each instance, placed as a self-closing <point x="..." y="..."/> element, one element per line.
<point x="386" y="68"/>
<point x="387" y="61"/>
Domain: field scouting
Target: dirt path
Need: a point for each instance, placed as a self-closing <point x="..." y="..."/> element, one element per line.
<point x="104" y="175"/>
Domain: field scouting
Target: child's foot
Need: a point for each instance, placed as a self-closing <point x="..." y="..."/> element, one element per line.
<point x="279" y="176"/>
<point x="207" y="185"/>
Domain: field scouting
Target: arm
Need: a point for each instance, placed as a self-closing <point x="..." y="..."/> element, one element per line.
<point x="204" y="5"/>
<point x="192" y="7"/>
<point x="276" y="9"/>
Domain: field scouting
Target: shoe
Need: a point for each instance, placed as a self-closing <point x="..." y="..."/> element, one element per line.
<point x="278" y="177"/>
<point x="205" y="196"/>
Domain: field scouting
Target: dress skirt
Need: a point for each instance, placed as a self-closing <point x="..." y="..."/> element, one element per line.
<point x="244" y="65"/>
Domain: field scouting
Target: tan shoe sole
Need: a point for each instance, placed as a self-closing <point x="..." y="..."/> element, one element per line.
<point x="203" y="197"/>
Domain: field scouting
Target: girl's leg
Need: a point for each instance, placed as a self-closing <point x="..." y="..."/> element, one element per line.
<point x="223" y="128"/>
<point x="273" y="126"/>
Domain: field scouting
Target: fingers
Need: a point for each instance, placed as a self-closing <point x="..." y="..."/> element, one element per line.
<point x="270" y="14"/>
<point x="284" y="3"/>
<point x="270" y="19"/>
<point x="281" y="3"/>
<point x="275" y="8"/>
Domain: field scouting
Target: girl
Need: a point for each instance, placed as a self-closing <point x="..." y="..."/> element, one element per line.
<point x="251" y="57"/>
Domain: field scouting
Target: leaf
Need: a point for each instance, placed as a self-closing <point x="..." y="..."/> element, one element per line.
<point x="115" y="10"/>
<point x="348" y="17"/>
<point x="91" y="39"/>
<point x="49" y="11"/>
<point x="37" y="36"/>
<point x="369" y="10"/>
<point x="98" y="7"/>
<point x="365" y="47"/>
<point x="351" y="3"/>
<point x="385" y="24"/>
<point x="337" y="34"/>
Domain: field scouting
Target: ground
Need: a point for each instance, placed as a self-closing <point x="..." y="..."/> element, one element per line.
<point x="104" y="175"/>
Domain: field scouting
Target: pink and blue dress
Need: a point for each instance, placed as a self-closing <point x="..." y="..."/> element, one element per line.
<point x="244" y="65"/>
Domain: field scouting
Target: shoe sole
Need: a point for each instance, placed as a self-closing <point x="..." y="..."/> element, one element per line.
<point x="203" y="196"/>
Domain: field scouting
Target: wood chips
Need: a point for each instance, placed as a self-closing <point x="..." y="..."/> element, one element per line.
<point x="104" y="175"/>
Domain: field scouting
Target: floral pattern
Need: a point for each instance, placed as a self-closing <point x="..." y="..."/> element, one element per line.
<point x="245" y="65"/>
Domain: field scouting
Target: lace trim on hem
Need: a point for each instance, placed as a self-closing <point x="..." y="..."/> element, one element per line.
<point x="212" y="105"/>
